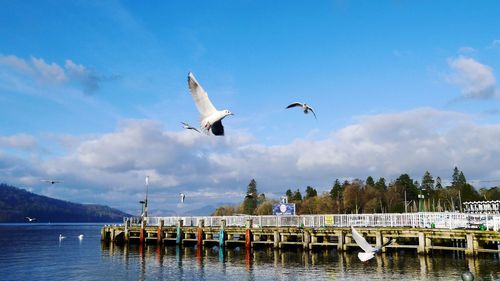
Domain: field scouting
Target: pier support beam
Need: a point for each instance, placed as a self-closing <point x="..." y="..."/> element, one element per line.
<point x="222" y="233"/>
<point x="276" y="243"/>
<point x="248" y="234"/>
<point x="199" y="233"/>
<point x="126" y="234"/>
<point x="421" y="243"/>
<point x="178" y="237"/>
<point x="340" y="240"/>
<point x="472" y="245"/>
<point x="159" y="233"/>
<point x="142" y="232"/>
<point x="379" y="240"/>
<point x="306" y="239"/>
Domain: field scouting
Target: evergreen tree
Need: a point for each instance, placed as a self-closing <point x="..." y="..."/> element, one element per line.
<point x="380" y="185"/>
<point x="427" y="181"/>
<point x="438" y="183"/>
<point x="336" y="190"/>
<point x="297" y="196"/>
<point x="289" y="195"/>
<point x="369" y="181"/>
<point x="455" y="178"/>
<point x="310" y="192"/>
<point x="250" y="201"/>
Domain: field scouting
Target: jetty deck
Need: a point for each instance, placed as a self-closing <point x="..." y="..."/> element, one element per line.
<point x="423" y="232"/>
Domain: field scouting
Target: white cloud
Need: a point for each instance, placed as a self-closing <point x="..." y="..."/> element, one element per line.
<point x="110" y="168"/>
<point x="36" y="69"/>
<point x="21" y="141"/>
<point x="475" y="79"/>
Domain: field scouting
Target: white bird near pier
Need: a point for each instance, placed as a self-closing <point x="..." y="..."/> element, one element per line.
<point x="363" y="244"/>
<point x="210" y="117"/>
<point x="183" y="196"/>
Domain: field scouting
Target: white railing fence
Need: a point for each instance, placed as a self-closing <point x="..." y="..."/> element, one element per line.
<point x="446" y="220"/>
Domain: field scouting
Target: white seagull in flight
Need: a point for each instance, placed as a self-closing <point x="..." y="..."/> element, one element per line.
<point x="363" y="244"/>
<point x="183" y="196"/>
<point x="210" y="117"/>
<point x="304" y="106"/>
<point x="188" y="127"/>
<point x="30" y="219"/>
<point x="51" y="181"/>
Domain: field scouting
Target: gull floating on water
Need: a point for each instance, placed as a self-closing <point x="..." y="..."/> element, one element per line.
<point x="30" y="219"/>
<point x="210" y="117"/>
<point x="304" y="107"/>
<point x="188" y="127"/>
<point x="183" y="196"/>
<point x="51" y="181"/>
<point x="61" y="237"/>
<point x="363" y="244"/>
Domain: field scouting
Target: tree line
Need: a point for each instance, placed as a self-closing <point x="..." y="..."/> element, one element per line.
<point x="357" y="196"/>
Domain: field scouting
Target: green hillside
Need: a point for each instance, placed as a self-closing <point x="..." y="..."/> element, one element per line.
<point x="16" y="204"/>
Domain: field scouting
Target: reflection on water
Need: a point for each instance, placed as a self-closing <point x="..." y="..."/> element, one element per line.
<point x="34" y="252"/>
<point x="209" y="263"/>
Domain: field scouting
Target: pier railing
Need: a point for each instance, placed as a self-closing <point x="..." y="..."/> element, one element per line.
<point x="448" y="220"/>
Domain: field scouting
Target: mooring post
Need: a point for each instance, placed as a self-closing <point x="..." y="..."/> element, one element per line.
<point x="126" y="235"/>
<point x="199" y="233"/>
<point x="469" y="251"/>
<point x="103" y="233"/>
<point x="340" y="240"/>
<point x="306" y="237"/>
<point x="248" y="234"/>
<point x="421" y="243"/>
<point x="142" y="232"/>
<point x="222" y="234"/>
<point x="178" y="236"/>
<point x="276" y="243"/>
<point x="347" y="240"/>
<point x="159" y="234"/>
<point x="379" y="241"/>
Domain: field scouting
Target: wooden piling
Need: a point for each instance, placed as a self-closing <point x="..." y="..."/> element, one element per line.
<point x="178" y="237"/>
<point x="340" y="240"/>
<point x="159" y="233"/>
<point x="276" y="242"/>
<point x="248" y="234"/>
<point x="142" y="232"/>
<point x="199" y="233"/>
<point x="421" y="243"/>
<point x="306" y="237"/>
<point x="222" y="234"/>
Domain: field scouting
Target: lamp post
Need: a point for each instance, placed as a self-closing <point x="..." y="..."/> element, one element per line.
<point x="146" y="199"/>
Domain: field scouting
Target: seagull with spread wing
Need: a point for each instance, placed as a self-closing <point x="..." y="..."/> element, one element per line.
<point x="188" y="127"/>
<point x="304" y="107"/>
<point x="210" y="117"/>
<point x="51" y="181"/>
<point x="30" y="219"/>
<point x="370" y="251"/>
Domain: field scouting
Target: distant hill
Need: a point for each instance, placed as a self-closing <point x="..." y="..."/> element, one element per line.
<point x="16" y="204"/>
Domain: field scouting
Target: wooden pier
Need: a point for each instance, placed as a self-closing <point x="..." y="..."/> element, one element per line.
<point x="422" y="240"/>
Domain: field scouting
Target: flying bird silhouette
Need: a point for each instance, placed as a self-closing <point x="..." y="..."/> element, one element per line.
<point x="61" y="237"/>
<point x="188" y="127"/>
<point x="80" y="237"/>
<point x="363" y="244"/>
<point x="30" y="219"/>
<point x="304" y="107"/>
<point x="51" y="181"/>
<point x="210" y="117"/>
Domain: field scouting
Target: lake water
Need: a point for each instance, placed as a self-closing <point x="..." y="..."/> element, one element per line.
<point x="34" y="252"/>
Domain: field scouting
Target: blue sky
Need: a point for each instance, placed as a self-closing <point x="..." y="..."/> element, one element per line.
<point x="93" y="93"/>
